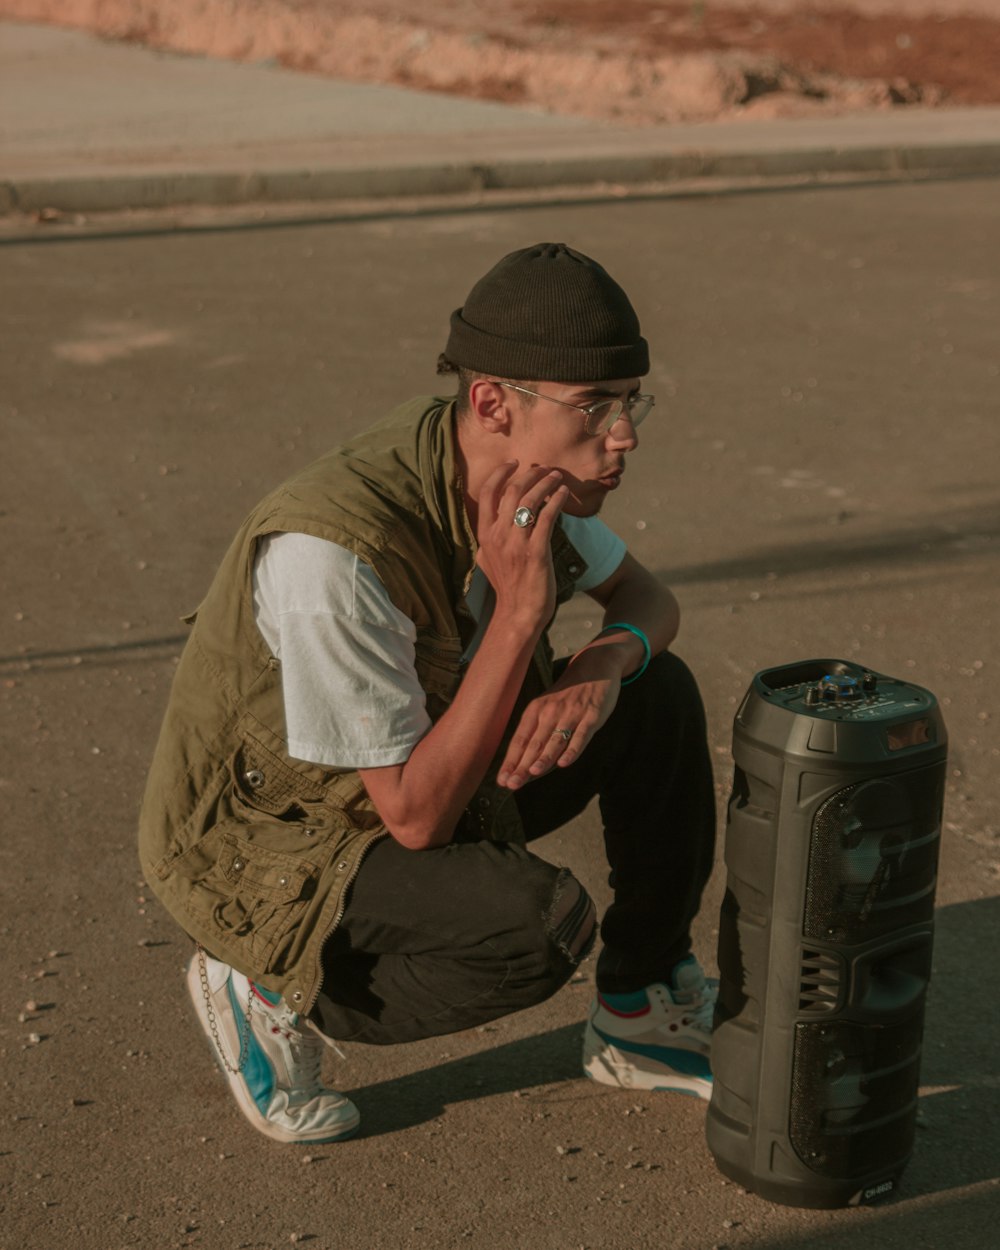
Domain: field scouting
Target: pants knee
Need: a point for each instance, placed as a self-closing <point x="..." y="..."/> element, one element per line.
<point x="554" y="939"/>
<point x="669" y="670"/>
<point x="571" y="921"/>
<point x="668" y="690"/>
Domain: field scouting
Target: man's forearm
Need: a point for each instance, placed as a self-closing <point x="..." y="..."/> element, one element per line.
<point x="422" y="800"/>
<point x="557" y="727"/>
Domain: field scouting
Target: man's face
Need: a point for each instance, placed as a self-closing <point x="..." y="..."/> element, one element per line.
<point x="546" y="432"/>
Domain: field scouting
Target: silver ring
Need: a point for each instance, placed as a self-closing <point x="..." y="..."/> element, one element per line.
<point x="565" y="734"/>
<point x="524" y="517"/>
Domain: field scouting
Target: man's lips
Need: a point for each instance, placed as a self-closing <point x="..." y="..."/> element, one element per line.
<point x="611" y="480"/>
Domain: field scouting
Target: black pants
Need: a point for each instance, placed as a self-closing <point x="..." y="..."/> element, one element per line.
<point x="436" y="941"/>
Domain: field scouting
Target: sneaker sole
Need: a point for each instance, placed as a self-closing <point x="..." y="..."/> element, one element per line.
<point x="244" y="1101"/>
<point x="608" y="1066"/>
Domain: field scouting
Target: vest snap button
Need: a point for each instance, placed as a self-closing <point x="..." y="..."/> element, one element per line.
<point x="254" y="778"/>
<point x="297" y="996"/>
<point x="342" y="866"/>
<point x="310" y="833"/>
<point x="282" y="881"/>
<point x="238" y="865"/>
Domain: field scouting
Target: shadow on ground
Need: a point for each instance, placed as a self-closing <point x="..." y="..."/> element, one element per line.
<point x="969" y="531"/>
<point x="544" y="1059"/>
<point x="965" y="1223"/>
<point x="960" y="1070"/>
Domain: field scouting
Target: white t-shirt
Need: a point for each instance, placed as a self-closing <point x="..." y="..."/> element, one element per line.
<point x="351" y="694"/>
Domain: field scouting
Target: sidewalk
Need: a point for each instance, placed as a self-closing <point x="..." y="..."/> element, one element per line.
<point x="87" y="125"/>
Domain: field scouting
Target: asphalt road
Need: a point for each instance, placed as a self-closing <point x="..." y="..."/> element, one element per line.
<point x="819" y="479"/>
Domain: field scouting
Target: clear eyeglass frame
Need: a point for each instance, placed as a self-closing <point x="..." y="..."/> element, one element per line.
<point x="600" y="417"/>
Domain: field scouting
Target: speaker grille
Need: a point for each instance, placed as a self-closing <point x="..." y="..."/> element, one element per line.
<point x="873" y="857"/>
<point x="854" y="1095"/>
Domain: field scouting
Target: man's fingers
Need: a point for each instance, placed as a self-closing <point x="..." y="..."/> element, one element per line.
<point x="509" y="487"/>
<point x="534" y="492"/>
<point x="547" y="512"/>
<point x="554" y="750"/>
<point x="493" y="488"/>
<point x="576" y="747"/>
<point x="533" y="755"/>
<point x="509" y="770"/>
<point x="556" y="729"/>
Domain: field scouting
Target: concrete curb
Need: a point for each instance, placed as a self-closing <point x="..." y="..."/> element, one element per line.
<point x="165" y="185"/>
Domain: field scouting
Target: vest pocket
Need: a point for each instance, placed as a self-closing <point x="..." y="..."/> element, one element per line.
<point x="264" y="779"/>
<point x="244" y="890"/>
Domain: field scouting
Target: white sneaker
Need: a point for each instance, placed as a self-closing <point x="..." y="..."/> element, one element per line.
<point x="656" y="1038"/>
<point x="270" y="1058"/>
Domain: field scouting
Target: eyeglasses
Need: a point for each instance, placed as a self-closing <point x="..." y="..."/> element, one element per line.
<point x="601" y="416"/>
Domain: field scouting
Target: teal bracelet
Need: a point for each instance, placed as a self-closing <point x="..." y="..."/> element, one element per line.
<point x="632" y="629"/>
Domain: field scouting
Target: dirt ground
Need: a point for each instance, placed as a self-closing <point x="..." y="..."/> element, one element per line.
<point x="646" y="62"/>
<point x="819" y="479"/>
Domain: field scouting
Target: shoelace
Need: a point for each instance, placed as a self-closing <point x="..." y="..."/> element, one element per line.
<point x="702" y="1014"/>
<point x="306" y="1050"/>
<point x="699" y="1005"/>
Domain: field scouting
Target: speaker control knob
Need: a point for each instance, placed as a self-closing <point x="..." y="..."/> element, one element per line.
<point x="839" y="688"/>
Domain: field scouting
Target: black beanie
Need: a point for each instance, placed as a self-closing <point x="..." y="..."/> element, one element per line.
<point x="548" y="314"/>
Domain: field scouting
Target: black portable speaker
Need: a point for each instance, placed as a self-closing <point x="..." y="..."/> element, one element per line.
<point x="825" y="932"/>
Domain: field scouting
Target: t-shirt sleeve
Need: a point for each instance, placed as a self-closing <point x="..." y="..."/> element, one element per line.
<point x="349" y="683"/>
<point x="600" y="548"/>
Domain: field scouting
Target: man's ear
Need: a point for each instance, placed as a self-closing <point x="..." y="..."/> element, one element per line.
<point x="488" y="405"/>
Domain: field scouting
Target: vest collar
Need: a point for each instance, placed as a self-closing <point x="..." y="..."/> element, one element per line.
<point x="444" y="492"/>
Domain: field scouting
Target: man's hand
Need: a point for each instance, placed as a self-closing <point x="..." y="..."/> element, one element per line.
<point x="422" y="800"/>
<point x="556" y="727"/>
<point x="517" y="560"/>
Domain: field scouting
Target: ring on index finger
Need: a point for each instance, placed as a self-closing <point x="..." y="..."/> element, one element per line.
<point x="524" y="517"/>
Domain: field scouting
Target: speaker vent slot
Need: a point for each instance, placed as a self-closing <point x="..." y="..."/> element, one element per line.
<point x="822" y="979"/>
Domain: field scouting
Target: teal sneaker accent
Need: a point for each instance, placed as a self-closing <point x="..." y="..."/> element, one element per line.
<point x="270" y="1058"/>
<point x="658" y="1038"/>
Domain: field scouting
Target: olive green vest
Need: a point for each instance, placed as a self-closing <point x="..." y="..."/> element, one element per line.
<point x="253" y="851"/>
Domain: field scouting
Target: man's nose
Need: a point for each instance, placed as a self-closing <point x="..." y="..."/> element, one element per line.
<point x="623" y="434"/>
